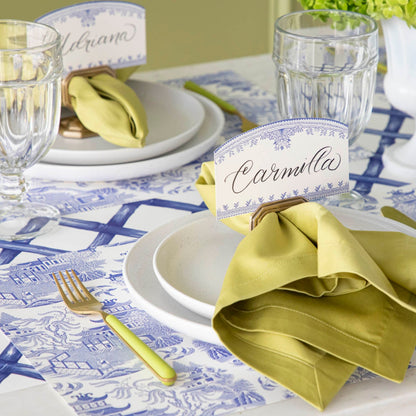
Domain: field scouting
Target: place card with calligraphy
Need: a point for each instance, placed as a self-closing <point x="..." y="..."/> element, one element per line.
<point x="99" y="33"/>
<point x="299" y="157"/>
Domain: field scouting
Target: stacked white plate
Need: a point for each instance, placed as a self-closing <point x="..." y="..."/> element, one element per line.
<point x="176" y="271"/>
<point x="182" y="127"/>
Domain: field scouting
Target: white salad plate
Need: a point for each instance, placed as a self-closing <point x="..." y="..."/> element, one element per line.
<point x="191" y="262"/>
<point x="205" y="138"/>
<point x="164" y="305"/>
<point x="173" y="117"/>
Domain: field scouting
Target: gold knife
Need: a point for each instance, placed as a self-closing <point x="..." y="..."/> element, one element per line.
<point x="395" y="214"/>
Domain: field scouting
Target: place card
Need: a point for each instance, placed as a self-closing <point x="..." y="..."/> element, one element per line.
<point x="99" y="33"/>
<point x="298" y="157"/>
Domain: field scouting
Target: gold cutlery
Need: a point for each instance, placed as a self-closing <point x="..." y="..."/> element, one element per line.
<point x="79" y="300"/>
<point x="395" y="214"/>
<point x="224" y="105"/>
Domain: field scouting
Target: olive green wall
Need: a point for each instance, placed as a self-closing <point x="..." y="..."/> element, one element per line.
<point x="181" y="32"/>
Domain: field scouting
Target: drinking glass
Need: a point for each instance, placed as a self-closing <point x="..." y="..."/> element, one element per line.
<point x="30" y="82"/>
<point x="326" y="66"/>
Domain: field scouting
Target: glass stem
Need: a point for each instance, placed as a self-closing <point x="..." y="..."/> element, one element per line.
<point x="13" y="187"/>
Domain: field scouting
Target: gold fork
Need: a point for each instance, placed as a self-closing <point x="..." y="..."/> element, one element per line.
<point x="224" y="105"/>
<point x="79" y="300"/>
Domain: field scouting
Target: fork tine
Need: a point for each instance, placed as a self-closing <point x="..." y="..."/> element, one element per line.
<point x="78" y="292"/>
<point x="68" y="289"/>
<point x="81" y="285"/>
<point x="61" y="291"/>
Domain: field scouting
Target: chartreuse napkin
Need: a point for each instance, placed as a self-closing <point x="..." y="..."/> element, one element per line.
<point x="306" y="300"/>
<point x="110" y="108"/>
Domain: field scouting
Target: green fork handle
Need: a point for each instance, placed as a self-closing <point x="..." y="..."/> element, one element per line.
<point x="162" y="370"/>
<point x="224" y="105"/>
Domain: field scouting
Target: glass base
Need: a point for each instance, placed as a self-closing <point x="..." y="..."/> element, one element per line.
<point x="352" y="199"/>
<point x="25" y="220"/>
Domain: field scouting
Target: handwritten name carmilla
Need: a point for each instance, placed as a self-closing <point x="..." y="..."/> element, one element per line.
<point x="247" y="175"/>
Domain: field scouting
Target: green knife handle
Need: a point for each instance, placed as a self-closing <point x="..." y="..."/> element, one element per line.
<point x="157" y="365"/>
<point x="229" y="108"/>
<point x="395" y="214"/>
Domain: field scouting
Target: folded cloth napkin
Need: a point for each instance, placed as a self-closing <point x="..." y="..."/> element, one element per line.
<point x="110" y="108"/>
<point x="306" y="300"/>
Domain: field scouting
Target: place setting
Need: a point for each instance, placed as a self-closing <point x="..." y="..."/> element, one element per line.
<point x="156" y="127"/>
<point x="272" y="278"/>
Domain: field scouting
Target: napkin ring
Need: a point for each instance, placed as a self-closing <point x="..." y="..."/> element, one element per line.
<point x="71" y="127"/>
<point x="274" y="206"/>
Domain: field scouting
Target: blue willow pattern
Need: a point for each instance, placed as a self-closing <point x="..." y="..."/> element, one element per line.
<point x="80" y="357"/>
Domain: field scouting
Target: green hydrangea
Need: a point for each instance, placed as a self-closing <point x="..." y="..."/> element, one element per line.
<point x="378" y="9"/>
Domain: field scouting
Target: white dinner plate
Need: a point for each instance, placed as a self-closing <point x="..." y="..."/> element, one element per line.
<point x="173" y="117"/>
<point x="204" y="139"/>
<point x="141" y="278"/>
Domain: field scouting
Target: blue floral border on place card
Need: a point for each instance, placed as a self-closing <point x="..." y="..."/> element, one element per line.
<point x="87" y="11"/>
<point x="252" y="204"/>
<point x="280" y="135"/>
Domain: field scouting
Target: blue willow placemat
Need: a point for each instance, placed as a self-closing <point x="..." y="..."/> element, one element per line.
<point x="79" y="356"/>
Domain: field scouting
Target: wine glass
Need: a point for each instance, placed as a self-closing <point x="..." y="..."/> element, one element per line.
<point x="326" y="66"/>
<point x="30" y="94"/>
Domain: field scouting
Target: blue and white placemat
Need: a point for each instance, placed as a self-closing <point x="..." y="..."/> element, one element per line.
<point x="79" y="356"/>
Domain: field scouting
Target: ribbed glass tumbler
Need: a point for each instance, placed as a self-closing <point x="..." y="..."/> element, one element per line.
<point x="326" y="65"/>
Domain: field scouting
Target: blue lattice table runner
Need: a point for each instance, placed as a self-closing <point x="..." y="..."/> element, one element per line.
<point x="80" y="357"/>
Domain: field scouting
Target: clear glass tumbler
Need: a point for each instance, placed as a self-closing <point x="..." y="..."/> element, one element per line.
<point x="30" y="102"/>
<point x="326" y="65"/>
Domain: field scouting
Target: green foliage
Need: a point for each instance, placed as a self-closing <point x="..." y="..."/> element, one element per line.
<point x="377" y="9"/>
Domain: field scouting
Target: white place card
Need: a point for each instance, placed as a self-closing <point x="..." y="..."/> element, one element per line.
<point x="99" y="33"/>
<point x="299" y="157"/>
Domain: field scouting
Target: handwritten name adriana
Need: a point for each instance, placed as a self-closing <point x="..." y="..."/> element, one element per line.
<point x="87" y="41"/>
<point x="325" y="159"/>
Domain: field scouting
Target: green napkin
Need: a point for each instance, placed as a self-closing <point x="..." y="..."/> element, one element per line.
<point x="306" y="300"/>
<point x="108" y="107"/>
